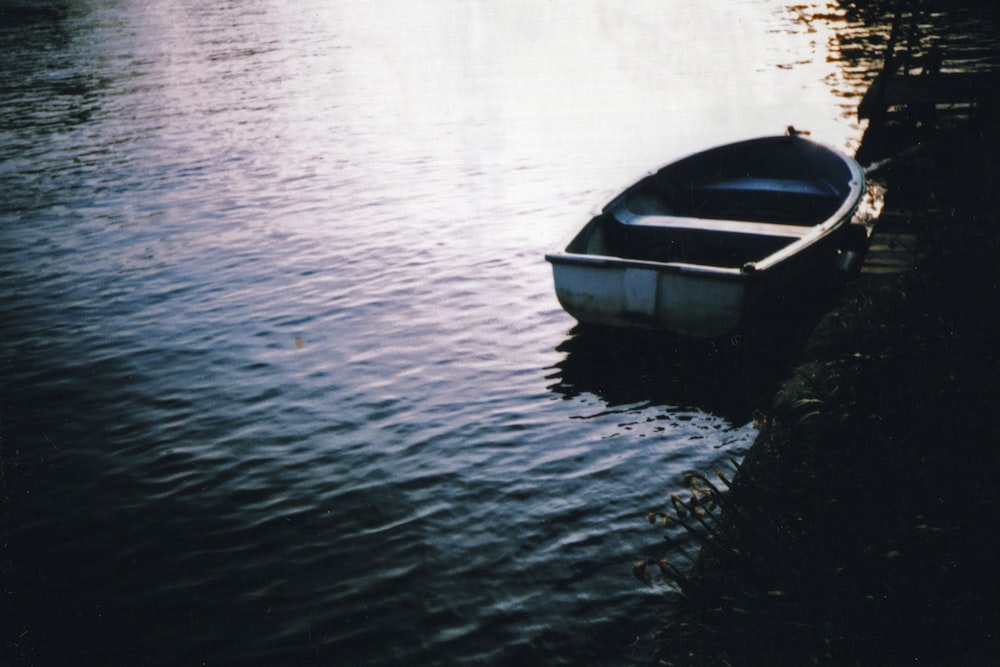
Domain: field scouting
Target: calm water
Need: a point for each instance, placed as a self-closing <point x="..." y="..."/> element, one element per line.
<point x="284" y="380"/>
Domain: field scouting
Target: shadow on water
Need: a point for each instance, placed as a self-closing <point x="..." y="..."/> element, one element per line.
<point x="20" y="12"/>
<point x="730" y="377"/>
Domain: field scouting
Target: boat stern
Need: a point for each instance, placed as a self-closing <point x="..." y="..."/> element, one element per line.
<point x="689" y="301"/>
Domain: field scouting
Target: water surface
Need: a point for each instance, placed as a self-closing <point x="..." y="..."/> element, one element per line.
<point x="284" y="380"/>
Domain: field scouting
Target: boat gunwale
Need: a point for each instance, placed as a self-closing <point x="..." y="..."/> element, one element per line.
<point x="723" y="226"/>
<point x="622" y="262"/>
<point x="841" y="217"/>
<point x="811" y="235"/>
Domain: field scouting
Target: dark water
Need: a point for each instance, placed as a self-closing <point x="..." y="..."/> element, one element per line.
<point x="284" y="380"/>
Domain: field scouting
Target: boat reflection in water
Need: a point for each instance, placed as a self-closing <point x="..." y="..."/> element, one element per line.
<point x="729" y="377"/>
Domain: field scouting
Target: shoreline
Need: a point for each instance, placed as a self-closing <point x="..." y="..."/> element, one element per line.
<point x="859" y="528"/>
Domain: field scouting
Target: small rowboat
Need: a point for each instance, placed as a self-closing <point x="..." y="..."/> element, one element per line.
<point x="707" y="242"/>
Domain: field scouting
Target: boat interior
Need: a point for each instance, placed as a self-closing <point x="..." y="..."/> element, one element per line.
<point x="725" y="222"/>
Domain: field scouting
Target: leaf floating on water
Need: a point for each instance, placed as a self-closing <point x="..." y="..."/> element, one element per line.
<point x="298" y="343"/>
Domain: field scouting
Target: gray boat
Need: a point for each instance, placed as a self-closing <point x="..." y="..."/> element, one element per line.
<point x="713" y="239"/>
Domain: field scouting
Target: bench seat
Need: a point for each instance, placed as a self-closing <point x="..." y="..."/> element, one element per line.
<point x="725" y="226"/>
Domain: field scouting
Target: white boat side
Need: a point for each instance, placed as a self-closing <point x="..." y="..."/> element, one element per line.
<point x="690" y="300"/>
<point x="688" y="291"/>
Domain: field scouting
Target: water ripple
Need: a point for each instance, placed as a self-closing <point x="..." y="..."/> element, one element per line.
<point x="284" y="378"/>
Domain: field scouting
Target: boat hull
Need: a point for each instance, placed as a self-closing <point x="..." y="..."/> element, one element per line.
<point x="702" y="302"/>
<point x="618" y="294"/>
<point x="646" y="263"/>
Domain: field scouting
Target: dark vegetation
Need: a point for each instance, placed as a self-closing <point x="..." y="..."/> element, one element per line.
<point x="863" y="526"/>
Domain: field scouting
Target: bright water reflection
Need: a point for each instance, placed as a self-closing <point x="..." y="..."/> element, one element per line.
<point x="284" y="378"/>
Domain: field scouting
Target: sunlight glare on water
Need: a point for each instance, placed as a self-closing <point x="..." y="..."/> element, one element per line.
<point x="515" y="83"/>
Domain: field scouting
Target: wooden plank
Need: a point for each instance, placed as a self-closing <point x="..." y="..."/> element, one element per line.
<point x="890" y="253"/>
<point x="945" y="88"/>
